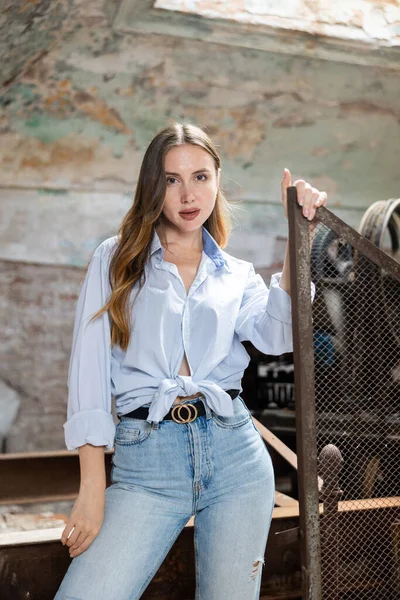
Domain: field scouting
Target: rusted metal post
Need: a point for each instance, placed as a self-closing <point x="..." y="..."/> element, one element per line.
<point x="306" y="444"/>
<point x="329" y="466"/>
<point x="396" y="558"/>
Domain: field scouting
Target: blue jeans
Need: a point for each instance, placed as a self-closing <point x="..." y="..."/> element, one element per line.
<point x="215" y="468"/>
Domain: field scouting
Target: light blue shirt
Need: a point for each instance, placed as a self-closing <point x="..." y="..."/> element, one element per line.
<point x="227" y="303"/>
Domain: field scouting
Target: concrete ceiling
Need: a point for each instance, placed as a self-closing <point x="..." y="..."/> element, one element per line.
<point x="365" y="32"/>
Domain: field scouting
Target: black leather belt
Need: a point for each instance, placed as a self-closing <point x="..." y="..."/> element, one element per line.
<point x="180" y="413"/>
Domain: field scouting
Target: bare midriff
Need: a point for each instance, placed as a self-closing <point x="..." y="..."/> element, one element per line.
<point x="180" y="399"/>
<point x="184" y="370"/>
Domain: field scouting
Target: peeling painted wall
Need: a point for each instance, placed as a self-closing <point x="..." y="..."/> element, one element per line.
<point x="79" y="105"/>
<point x="358" y="19"/>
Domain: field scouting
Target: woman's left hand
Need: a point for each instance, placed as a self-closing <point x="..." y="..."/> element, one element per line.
<point x="307" y="196"/>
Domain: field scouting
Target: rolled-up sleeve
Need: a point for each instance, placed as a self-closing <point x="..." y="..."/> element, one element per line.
<point x="89" y="418"/>
<point x="265" y="315"/>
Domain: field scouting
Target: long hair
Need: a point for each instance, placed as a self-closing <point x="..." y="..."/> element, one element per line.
<point x="136" y="230"/>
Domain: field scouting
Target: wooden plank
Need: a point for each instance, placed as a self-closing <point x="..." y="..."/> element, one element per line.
<point x="369" y="504"/>
<point x="10" y="456"/>
<point x="46" y="476"/>
<point x="284" y="500"/>
<point x="39" y="498"/>
<point x="17" y="538"/>
<point x="276" y="444"/>
<point x="41" y="536"/>
<point x="279" y="446"/>
<point x="34" y="536"/>
<point x="286" y="512"/>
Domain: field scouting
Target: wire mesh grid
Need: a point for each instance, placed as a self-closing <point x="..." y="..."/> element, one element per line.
<point x="356" y="336"/>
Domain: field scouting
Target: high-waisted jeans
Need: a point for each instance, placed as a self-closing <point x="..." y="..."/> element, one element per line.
<point x="215" y="468"/>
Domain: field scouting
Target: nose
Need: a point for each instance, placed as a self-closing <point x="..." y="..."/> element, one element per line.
<point x="187" y="194"/>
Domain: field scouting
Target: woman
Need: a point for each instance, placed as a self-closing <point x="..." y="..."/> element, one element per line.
<point x="159" y="323"/>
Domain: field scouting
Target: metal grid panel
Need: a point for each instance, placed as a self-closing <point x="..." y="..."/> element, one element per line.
<point x="356" y="338"/>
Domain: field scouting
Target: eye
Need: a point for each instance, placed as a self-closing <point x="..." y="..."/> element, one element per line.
<point x="168" y="178"/>
<point x="202" y="175"/>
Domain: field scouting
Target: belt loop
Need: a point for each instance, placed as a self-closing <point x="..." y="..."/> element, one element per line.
<point x="154" y="424"/>
<point x="207" y="408"/>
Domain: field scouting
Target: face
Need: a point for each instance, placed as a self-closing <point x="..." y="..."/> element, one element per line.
<point x="191" y="183"/>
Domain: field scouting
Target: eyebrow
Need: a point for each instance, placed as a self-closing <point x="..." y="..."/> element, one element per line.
<point x="194" y="172"/>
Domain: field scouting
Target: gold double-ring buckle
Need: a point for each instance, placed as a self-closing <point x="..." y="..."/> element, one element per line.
<point x="178" y="409"/>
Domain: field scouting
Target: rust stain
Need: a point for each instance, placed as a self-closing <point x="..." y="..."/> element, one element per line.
<point x="65" y="99"/>
<point x="361" y="106"/>
<point x="126" y="92"/>
<point x="98" y="109"/>
<point x="19" y="279"/>
<point x="62" y="154"/>
<point x="58" y="154"/>
<point x="293" y="121"/>
<point x="321" y="151"/>
<point x="60" y="100"/>
<point x="64" y="84"/>
<point x="28" y="4"/>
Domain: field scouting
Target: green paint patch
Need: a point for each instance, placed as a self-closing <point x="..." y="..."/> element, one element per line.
<point x="47" y="129"/>
<point x="52" y="192"/>
<point x="25" y="94"/>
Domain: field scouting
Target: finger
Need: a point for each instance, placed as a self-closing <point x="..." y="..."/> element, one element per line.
<point x="286" y="179"/>
<point x="318" y="199"/>
<point x="84" y="546"/>
<point x="71" y="540"/>
<point x="78" y="541"/>
<point x="312" y="195"/>
<point x="77" y="547"/>
<point x="322" y="199"/>
<point x="286" y="182"/>
<point x="308" y="200"/>
<point x="68" y="531"/>
<point x="301" y="190"/>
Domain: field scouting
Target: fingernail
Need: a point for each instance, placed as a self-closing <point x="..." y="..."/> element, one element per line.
<point x="306" y="213"/>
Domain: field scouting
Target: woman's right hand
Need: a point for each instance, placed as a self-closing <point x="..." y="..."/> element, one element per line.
<point x="86" y="519"/>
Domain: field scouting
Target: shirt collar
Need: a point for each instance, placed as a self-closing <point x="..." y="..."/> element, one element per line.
<point x="210" y="247"/>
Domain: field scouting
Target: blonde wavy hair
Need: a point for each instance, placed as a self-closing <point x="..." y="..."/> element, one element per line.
<point x="136" y="230"/>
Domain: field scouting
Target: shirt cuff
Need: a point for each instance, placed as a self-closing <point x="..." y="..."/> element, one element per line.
<point x="94" y="427"/>
<point x="279" y="304"/>
<point x="279" y="301"/>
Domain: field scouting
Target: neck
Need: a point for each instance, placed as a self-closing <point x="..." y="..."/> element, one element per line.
<point x="190" y="240"/>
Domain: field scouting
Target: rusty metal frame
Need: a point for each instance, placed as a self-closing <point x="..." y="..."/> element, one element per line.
<point x="355" y="239"/>
<point x="303" y="348"/>
<point x="303" y="353"/>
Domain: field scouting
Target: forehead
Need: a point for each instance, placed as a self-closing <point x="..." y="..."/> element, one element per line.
<point x="187" y="157"/>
